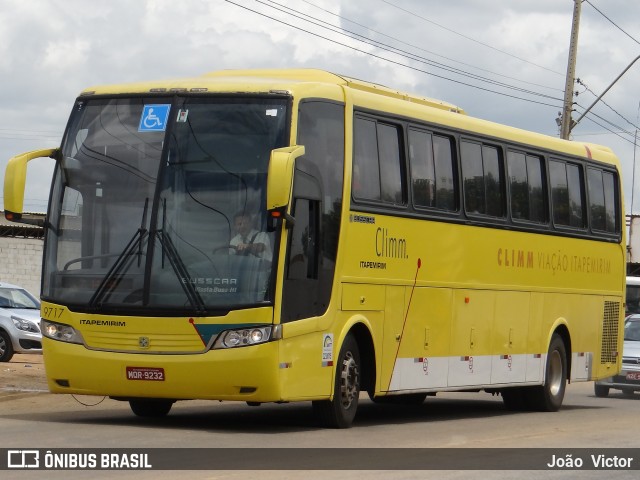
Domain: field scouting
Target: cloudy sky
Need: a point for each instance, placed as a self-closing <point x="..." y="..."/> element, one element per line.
<point x="502" y="60"/>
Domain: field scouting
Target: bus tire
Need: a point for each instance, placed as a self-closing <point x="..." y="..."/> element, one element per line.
<point x="150" y="408"/>
<point x="548" y="397"/>
<point x="601" y="391"/>
<point x="341" y="410"/>
<point x="514" y="398"/>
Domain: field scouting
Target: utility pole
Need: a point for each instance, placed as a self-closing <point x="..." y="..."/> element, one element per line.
<point x="565" y="127"/>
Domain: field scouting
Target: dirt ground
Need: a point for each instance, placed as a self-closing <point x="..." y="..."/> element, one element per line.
<point x="24" y="373"/>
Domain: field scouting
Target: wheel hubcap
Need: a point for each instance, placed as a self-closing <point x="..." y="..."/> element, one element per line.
<point x="349" y="381"/>
<point x="555" y="373"/>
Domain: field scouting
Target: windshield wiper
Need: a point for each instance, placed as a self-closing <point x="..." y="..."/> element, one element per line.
<point x="136" y="242"/>
<point x="106" y="284"/>
<point x="178" y="265"/>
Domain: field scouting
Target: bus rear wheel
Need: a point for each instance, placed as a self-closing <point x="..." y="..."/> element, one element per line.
<point x="340" y="412"/>
<point x="150" y="408"/>
<point x="515" y="398"/>
<point x="548" y="397"/>
<point x="600" y="390"/>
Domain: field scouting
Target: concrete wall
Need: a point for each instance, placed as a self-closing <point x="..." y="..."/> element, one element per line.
<point x="21" y="262"/>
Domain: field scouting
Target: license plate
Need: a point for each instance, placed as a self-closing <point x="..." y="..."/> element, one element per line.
<point x="633" y="375"/>
<point x="145" y="373"/>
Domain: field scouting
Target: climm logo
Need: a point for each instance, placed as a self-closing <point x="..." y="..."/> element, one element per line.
<point x="388" y="246"/>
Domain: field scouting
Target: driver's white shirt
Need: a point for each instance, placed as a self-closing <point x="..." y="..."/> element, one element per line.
<point x="254" y="237"/>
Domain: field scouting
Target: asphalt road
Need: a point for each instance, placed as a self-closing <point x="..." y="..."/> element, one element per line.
<point x="33" y="419"/>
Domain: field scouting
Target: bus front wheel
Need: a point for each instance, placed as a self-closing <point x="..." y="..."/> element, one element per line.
<point x="405" y="399"/>
<point x="548" y="397"/>
<point x="340" y="412"/>
<point x="150" y="408"/>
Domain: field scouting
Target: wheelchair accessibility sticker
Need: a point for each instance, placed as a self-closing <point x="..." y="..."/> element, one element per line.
<point x="154" y="118"/>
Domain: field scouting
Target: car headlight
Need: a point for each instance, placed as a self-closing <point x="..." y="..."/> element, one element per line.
<point x="25" y="325"/>
<point x="244" y="337"/>
<point x="60" y="331"/>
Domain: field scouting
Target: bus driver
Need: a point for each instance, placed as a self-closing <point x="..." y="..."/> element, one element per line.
<point x="249" y="241"/>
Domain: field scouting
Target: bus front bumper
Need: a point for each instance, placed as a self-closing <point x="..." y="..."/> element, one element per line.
<point x="246" y="374"/>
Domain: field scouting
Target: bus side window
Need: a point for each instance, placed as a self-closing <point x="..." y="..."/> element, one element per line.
<point x="366" y="170"/>
<point x="526" y="187"/>
<point x="483" y="173"/>
<point x="602" y="200"/>
<point x="378" y="173"/>
<point x="567" y="194"/>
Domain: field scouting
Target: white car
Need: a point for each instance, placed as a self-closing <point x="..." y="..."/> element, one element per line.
<point x="19" y="322"/>
<point x="628" y="380"/>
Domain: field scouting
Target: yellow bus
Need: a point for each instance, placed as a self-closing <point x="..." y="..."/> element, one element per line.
<point x="296" y="235"/>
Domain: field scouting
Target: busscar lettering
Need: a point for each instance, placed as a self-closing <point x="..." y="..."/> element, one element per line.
<point x="210" y="281"/>
<point x="362" y="219"/>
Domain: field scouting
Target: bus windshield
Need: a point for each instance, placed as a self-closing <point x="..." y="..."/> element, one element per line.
<point x="159" y="204"/>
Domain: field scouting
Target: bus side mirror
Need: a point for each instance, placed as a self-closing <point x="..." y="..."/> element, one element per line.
<point x="15" y="179"/>
<point x="280" y="178"/>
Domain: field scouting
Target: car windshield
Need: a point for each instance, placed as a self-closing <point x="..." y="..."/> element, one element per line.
<point x="632" y="330"/>
<point x="17" y="298"/>
<point x="148" y="201"/>
<point x="633" y="298"/>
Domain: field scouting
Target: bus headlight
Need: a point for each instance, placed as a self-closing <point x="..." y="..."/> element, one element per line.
<point x="60" y="331"/>
<point x="244" y="337"/>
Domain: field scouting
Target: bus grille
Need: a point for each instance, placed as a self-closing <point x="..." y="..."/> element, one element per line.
<point x="609" y="349"/>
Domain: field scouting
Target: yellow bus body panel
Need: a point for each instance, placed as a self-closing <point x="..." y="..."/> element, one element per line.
<point x="471" y="306"/>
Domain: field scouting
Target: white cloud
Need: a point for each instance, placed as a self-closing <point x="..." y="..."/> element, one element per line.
<point x="66" y="54"/>
<point x="51" y="49"/>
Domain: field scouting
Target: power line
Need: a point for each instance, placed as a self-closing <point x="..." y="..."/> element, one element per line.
<point x="30" y="138"/>
<point x="391" y="49"/>
<point x="44" y="135"/>
<point x="360" y="38"/>
<point x="389" y="60"/>
<point x="40" y="132"/>
<point x="423" y="49"/>
<point x="612" y="22"/>
<point x="618" y="131"/>
<point x="469" y="38"/>
<point x="580" y="82"/>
